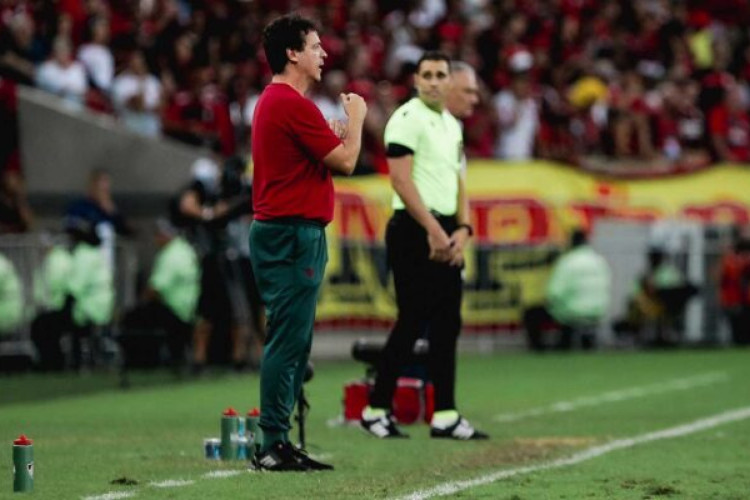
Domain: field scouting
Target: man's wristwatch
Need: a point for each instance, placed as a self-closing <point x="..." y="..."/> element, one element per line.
<point x="468" y="228"/>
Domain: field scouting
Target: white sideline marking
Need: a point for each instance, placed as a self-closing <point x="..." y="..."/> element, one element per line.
<point x="172" y="483"/>
<point x="588" y="454"/>
<point x="112" y="495"/>
<point x="220" y="474"/>
<point x="680" y="384"/>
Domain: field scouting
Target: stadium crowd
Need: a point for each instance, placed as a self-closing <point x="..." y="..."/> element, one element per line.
<point x="643" y="87"/>
<point x="649" y="82"/>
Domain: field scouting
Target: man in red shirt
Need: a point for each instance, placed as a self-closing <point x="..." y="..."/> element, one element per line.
<point x="294" y="151"/>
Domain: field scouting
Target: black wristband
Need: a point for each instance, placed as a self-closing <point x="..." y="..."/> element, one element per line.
<point x="467" y="227"/>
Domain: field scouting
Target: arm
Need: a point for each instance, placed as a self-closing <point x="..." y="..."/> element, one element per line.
<point x="343" y="158"/>
<point x="338" y="128"/>
<point x="190" y="206"/>
<point x="557" y="284"/>
<point x="461" y="235"/>
<point x="400" y="173"/>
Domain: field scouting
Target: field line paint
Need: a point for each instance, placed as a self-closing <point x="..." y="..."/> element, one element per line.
<point x="453" y="487"/>
<point x="679" y="384"/>
<point x="172" y="483"/>
<point x="112" y="495"/>
<point x="220" y="474"/>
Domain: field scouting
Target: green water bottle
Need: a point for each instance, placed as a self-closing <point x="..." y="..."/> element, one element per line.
<point x="23" y="464"/>
<point x="253" y="432"/>
<point x="230" y="424"/>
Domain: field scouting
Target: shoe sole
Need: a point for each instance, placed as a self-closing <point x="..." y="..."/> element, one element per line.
<point x="390" y="436"/>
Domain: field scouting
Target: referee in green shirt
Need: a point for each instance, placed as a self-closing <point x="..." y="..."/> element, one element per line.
<point x="425" y="241"/>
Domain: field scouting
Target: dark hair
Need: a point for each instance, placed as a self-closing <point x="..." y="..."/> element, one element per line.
<point x="434" y="55"/>
<point x="578" y="238"/>
<point x="286" y="32"/>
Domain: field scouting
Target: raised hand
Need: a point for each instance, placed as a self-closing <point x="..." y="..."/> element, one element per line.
<point x="355" y="106"/>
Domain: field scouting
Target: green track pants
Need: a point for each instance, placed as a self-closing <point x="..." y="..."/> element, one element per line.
<point x="289" y="259"/>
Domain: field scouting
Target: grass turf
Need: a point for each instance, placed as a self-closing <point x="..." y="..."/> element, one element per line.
<point x="152" y="433"/>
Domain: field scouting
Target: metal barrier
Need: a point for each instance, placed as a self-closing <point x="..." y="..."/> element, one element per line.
<point x="27" y="253"/>
<point x="500" y="280"/>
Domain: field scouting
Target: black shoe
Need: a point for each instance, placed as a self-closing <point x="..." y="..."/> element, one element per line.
<point x="311" y="464"/>
<point x="462" y="430"/>
<point x="281" y="457"/>
<point x="382" y="427"/>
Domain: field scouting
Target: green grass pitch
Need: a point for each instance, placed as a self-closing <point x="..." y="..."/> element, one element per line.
<point x="538" y="409"/>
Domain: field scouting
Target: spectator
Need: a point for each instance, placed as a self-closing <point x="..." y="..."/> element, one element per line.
<point x="96" y="55"/>
<point x="629" y="118"/>
<point x="729" y="128"/>
<point x="89" y="298"/>
<point x="137" y="97"/>
<point x="577" y="297"/>
<point x="244" y="296"/>
<point x="383" y="103"/>
<point x="657" y="302"/>
<point x="11" y="297"/>
<point x="556" y="114"/>
<point x="9" y="151"/>
<point x="200" y="115"/>
<point x="734" y="287"/>
<point x="54" y="318"/>
<point x="560" y="43"/>
<point x="15" y="213"/>
<point x="328" y="98"/>
<point x="242" y="100"/>
<point x="169" y="302"/>
<point x="90" y="282"/>
<point x="51" y="284"/>
<point x="222" y="305"/>
<point x="16" y="49"/>
<point x="681" y="124"/>
<point x="517" y="113"/>
<point x="62" y="75"/>
<point x="98" y="209"/>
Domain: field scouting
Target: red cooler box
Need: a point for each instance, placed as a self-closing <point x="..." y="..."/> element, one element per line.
<point x="413" y="400"/>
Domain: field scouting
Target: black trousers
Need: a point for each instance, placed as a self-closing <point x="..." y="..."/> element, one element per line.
<point x="428" y="295"/>
<point x="535" y="320"/>
<point x="47" y="329"/>
<point x="140" y="340"/>
<point x="538" y="318"/>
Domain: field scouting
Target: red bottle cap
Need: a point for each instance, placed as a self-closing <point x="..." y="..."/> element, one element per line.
<point x="253" y="413"/>
<point x="22" y="441"/>
<point x="230" y="412"/>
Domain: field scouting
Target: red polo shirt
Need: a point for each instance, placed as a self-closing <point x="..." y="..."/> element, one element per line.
<point x="290" y="138"/>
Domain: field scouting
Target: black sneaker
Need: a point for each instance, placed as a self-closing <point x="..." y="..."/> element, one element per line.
<point x="281" y="457"/>
<point x="311" y="464"/>
<point x="462" y="430"/>
<point x="382" y="427"/>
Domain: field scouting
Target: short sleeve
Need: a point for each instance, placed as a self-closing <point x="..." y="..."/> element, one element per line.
<point x="312" y="130"/>
<point x="402" y="128"/>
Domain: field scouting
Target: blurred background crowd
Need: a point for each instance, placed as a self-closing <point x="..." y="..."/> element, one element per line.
<point x="643" y="88"/>
<point x="656" y="84"/>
